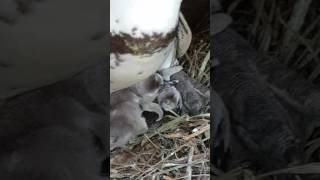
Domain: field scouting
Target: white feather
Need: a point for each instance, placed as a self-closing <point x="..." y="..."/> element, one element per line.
<point x="148" y="16"/>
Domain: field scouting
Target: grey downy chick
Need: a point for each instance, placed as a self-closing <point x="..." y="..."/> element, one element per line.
<point x="142" y="93"/>
<point x="169" y="97"/>
<point x="122" y="96"/>
<point x="195" y="97"/>
<point x="127" y="107"/>
<point x="126" y="122"/>
<point x="153" y="108"/>
<point x="148" y="89"/>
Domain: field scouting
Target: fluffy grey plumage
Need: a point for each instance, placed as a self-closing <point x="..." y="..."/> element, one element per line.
<point x="126" y="121"/>
<point x="169" y="98"/>
<point x="195" y="98"/>
<point x="125" y="117"/>
<point x="148" y="89"/>
<point x="127" y="106"/>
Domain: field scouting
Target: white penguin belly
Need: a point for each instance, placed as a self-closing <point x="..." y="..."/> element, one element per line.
<point x="143" y="37"/>
<point x="128" y="69"/>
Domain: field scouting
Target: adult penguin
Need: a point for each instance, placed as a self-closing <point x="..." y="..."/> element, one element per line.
<point x="42" y="42"/>
<point x="143" y="39"/>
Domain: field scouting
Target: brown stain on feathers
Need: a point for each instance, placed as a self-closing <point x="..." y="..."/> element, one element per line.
<point x="124" y="43"/>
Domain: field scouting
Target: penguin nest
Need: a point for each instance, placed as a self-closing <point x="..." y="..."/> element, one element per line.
<point x="180" y="147"/>
<point x="196" y="61"/>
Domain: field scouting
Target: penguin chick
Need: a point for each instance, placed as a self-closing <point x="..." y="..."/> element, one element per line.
<point x="126" y="121"/>
<point x="127" y="95"/>
<point x="149" y="88"/>
<point x="123" y="95"/>
<point x="152" y="107"/>
<point x="170" y="98"/>
<point x="193" y="99"/>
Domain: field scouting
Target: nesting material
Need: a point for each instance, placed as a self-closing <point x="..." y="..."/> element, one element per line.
<point x="179" y="147"/>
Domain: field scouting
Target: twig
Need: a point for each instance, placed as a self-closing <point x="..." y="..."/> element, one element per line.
<point x="157" y="147"/>
<point x="295" y="23"/>
<point x="299" y="38"/>
<point x="189" y="167"/>
<point x="204" y="65"/>
<point x="198" y="132"/>
<point x="151" y="169"/>
<point x="233" y="6"/>
<point x="185" y="160"/>
<point x="258" y="17"/>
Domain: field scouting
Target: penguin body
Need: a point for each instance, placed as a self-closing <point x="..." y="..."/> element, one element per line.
<point x="142" y="40"/>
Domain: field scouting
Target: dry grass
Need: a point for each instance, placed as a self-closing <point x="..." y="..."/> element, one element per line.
<point x="197" y="59"/>
<point x="180" y="147"/>
<point x="287" y="31"/>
